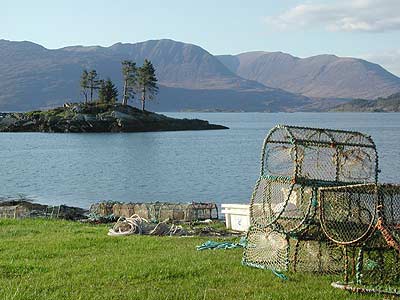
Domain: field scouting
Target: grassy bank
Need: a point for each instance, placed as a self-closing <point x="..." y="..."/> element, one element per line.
<point x="51" y="259"/>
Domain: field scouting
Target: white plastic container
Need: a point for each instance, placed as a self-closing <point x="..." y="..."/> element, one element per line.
<point x="237" y="216"/>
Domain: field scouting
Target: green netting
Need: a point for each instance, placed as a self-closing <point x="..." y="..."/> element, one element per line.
<point x="317" y="206"/>
<point x="366" y="219"/>
<point x="285" y="232"/>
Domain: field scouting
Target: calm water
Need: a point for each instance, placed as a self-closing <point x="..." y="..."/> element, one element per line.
<point x="220" y="166"/>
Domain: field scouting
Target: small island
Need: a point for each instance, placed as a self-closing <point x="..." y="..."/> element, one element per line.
<point x="97" y="117"/>
<point x="104" y="114"/>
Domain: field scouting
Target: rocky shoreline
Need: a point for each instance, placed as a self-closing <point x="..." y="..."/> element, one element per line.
<point x="97" y="117"/>
<point x="19" y="208"/>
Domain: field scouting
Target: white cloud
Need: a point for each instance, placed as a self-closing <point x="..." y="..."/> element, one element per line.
<point x="350" y="15"/>
<point x="389" y="59"/>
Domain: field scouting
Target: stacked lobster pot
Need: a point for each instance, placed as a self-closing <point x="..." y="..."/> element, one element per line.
<point x="365" y="220"/>
<point x="285" y="232"/>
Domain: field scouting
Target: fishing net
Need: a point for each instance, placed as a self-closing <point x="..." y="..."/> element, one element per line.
<point x="285" y="228"/>
<point x="281" y="204"/>
<point x="267" y="248"/>
<point x="348" y="213"/>
<point x="389" y="221"/>
<point x="319" y="154"/>
<point x="317" y="207"/>
<point x="158" y="211"/>
<point x="365" y="218"/>
<point x="316" y="256"/>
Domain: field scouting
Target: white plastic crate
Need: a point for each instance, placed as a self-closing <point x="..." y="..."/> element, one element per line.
<point x="237" y="216"/>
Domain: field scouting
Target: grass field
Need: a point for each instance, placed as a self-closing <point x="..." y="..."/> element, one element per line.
<point x="52" y="259"/>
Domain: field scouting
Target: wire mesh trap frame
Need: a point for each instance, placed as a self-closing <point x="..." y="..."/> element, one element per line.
<point x="285" y="232"/>
<point x="365" y="219"/>
<point x="158" y="211"/>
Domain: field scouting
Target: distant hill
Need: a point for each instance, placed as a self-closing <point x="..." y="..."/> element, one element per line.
<point x="321" y="76"/>
<point x="190" y="78"/>
<point x="388" y="104"/>
<point x="32" y="77"/>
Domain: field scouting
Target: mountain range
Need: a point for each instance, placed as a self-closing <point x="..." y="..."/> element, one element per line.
<point x="321" y="76"/>
<point x="190" y="78"/>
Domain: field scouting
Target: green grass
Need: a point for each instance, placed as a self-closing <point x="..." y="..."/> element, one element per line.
<point x="51" y="259"/>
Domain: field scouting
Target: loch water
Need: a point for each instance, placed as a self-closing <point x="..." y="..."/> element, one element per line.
<point x="217" y="165"/>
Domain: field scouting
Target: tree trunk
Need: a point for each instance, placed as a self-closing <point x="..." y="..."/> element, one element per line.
<point x="124" y="97"/>
<point x="91" y="93"/>
<point x="143" y="98"/>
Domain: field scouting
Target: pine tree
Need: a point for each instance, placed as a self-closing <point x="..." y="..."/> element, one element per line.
<point x="93" y="82"/>
<point x="108" y="93"/>
<point x="147" y="82"/>
<point x="129" y="73"/>
<point x="84" y="84"/>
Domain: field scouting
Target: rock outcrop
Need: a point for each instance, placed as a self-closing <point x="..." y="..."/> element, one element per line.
<point x="97" y="117"/>
<point x="11" y="208"/>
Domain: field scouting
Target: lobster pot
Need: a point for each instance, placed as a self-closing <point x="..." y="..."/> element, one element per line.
<point x="348" y="213"/>
<point x="158" y="211"/>
<point x="374" y="267"/>
<point x="365" y="218"/>
<point x="284" y="207"/>
<point x="270" y="249"/>
<point x="319" y="155"/>
<point x="389" y="197"/>
<point x="316" y="256"/>
<point x="282" y="203"/>
<point x="266" y="249"/>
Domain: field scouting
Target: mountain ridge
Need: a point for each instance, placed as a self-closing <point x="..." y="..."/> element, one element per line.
<point x="190" y="77"/>
<point x="319" y="76"/>
<point x="43" y="78"/>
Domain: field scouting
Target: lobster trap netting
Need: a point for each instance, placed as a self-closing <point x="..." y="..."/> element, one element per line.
<point x="317" y="256"/>
<point x="319" y="154"/>
<point x="348" y="214"/>
<point x="269" y="249"/>
<point x="285" y="230"/>
<point x="366" y="219"/>
<point x="281" y="204"/>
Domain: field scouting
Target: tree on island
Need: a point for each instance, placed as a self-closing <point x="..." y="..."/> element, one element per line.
<point x="146" y="82"/>
<point x="108" y="93"/>
<point x="84" y="84"/>
<point x="129" y="72"/>
<point x="89" y="83"/>
<point x="93" y="83"/>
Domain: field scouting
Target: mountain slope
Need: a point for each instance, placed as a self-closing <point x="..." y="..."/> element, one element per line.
<point x="321" y="76"/>
<point x="32" y="76"/>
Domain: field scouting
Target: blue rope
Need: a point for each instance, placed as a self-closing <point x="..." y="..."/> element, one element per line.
<point x="279" y="275"/>
<point x="212" y="245"/>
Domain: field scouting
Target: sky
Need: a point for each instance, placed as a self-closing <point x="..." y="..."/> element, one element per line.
<point x="368" y="29"/>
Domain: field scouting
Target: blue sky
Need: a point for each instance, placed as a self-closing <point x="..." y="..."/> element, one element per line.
<point x="368" y="29"/>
